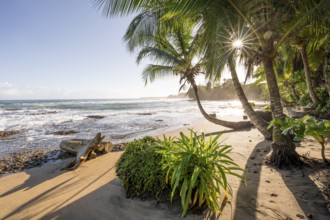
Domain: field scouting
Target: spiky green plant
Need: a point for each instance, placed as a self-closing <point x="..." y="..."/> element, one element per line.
<point x="197" y="167"/>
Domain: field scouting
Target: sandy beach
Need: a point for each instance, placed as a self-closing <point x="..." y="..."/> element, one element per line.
<point x="94" y="192"/>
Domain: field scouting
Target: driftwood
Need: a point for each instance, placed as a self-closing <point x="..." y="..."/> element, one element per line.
<point x="73" y="146"/>
<point x="84" y="149"/>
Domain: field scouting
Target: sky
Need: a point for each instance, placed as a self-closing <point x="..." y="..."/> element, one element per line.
<point x="66" y="49"/>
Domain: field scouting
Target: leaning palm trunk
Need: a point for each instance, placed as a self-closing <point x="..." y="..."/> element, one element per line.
<point x="256" y="120"/>
<point x="283" y="149"/>
<point x="228" y="124"/>
<point x="311" y="91"/>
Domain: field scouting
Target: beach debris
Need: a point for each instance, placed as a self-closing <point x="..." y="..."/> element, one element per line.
<point x="96" y="116"/>
<point x="300" y="216"/>
<point x="64" y="132"/>
<point x="84" y="149"/>
<point x="273" y="195"/>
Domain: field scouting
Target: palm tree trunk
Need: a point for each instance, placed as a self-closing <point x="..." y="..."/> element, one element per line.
<point x="229" y="124"/>
<point x="307" y="70"/>
<point x="283" y="149"/>
<point x="256" y="120"/>
<point x="326" y="72"/>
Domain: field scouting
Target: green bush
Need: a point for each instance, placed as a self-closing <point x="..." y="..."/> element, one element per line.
<point x="306" y="126"/>
<point x="140" y="171"/>
<point x="198" y="169"/>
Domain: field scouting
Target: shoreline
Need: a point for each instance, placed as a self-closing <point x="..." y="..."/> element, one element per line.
<point x="269" y="193"/>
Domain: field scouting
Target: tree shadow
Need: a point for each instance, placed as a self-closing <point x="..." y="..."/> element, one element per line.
<point x="302" y="183"/>
<point x="83" y="194"/>
<point x="226" y="131"/>
<point x="297" y="184"/>
<point x="246" y="197"/>
<point x="110" y="202"/>
<point x="33" y="181"/>
<point x="36" y="178"/>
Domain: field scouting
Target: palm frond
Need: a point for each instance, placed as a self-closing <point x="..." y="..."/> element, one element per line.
<point x="157" y="55"/>
<point x="122" y="7"/>
<point x="153" y="72"/>
<point x="141" y="29"/>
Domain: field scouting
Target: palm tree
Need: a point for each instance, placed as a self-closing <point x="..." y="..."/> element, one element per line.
<point x="143" y="26"/>
<point x="266" y="19"/>
<point x="175" y="52"/>
<point x="221" y="51"/>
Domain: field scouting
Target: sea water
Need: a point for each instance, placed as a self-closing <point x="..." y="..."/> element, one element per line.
<point x="123" y="119"/>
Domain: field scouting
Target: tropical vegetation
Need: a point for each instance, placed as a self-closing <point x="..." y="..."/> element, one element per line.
<point x="193" y="168"/>
<point x="197" y="168"/>
<point x="140" y="171"/>
<point x="284" y="39"/>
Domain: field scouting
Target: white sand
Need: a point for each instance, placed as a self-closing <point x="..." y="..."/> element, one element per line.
<point x="94" y="192"/>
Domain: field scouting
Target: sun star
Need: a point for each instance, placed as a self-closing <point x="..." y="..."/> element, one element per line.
<point x="238" y="43"/>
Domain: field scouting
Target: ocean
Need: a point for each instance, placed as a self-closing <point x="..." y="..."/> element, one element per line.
<point x="120" y="120"/>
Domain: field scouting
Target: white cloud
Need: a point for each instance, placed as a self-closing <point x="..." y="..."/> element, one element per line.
<point x="5" y="85"/>
<point x="9" y="91"/>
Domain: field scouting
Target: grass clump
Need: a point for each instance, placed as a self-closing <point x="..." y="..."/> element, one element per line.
<point x="140" y="171"/>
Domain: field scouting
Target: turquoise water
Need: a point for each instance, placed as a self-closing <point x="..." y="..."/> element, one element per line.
<point x="123" y="119"/>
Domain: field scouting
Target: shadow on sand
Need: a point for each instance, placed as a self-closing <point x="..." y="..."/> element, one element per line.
<point x="246" y="198"/>
<point x="298" y="181"/>
<point x="85" y="194"/>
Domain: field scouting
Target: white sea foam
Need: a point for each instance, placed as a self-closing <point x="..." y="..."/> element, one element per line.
<point x="38" y="120"/>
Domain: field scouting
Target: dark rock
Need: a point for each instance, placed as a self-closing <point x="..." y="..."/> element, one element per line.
<point x="44" y="113"/>
<point x="213" y="115"/>
<point x="118" y="147"/>
<point x="144" y="113"/>
<point x="159" y="120"/>
<point x="309" y="215"/>
<point x="96" y="116"/>
<point x="64" y="132"/>
<point x="28" y="158"/>
<point x="4" y="134"/>
<point x="119" y="136"/>
<point x="245" y="117"/>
